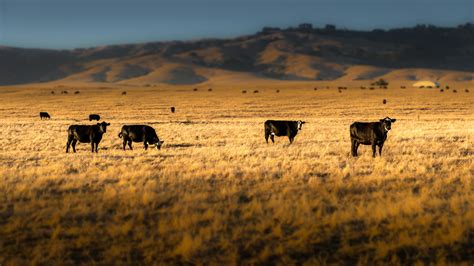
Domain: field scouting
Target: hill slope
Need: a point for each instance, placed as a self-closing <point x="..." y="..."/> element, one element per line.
<point x="302" y="53"/>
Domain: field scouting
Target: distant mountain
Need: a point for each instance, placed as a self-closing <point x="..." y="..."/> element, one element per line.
<point x="295" y="53"/>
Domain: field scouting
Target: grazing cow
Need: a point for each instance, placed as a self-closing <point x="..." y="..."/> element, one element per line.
<point x="86" y="134"/>
<point x="124" y="93"/>
<point x="282" y="128"/>
<point x="139" y="133"/>
<point x="373" y="133"/>
<point x="173" y="109"/>
<point x="44" y="115"/>
<point x="94" y="117"/>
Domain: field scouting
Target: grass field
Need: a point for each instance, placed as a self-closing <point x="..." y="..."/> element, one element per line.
<point x="216" y="193"/>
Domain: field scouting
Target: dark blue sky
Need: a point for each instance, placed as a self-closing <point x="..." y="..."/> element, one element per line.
<point x="85" y="23"/>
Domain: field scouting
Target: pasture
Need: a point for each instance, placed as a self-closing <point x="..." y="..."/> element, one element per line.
<point x="216" y="193"/>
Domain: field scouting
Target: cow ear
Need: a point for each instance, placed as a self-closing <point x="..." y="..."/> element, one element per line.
<point x="393" y="120"/>
<point x="303" y="122"/>
<point x="108" y="124"/>
<point x="162" y="141"/>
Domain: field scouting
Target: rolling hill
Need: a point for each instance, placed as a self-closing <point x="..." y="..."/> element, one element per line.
<point x="295" y="53"/>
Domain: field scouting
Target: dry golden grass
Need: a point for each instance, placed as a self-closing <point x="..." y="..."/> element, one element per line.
<point x="218" y="194"/>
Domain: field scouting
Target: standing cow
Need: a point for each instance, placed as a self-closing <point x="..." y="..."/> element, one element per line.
<point x="282" y="128"/>
<point x="94" y="117"/>
<point x="139" y="133"/>
<point x="86" y="134"/>
<point x="44" y="115"/>
<point x="373" y="133"/>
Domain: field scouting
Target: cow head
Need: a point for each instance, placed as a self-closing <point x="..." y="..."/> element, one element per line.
<point x="103" y="126"/>
<point x="387" y="123"/>
<point x="158" y="144"/>
<point x="300" y="124"/>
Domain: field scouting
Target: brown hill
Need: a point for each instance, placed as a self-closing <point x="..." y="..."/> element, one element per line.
<point x="302" y="53"/>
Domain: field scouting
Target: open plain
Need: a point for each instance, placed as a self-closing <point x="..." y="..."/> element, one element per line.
<point x="216" y="193"/>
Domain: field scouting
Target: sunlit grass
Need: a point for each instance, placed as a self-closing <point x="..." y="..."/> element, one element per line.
<point x="217" y="193"/>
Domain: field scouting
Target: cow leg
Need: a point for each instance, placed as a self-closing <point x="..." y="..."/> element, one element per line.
<point x="145" y="145"/>
<point x="74" y="145"/>
<point x="353" y="148"/>
<point x="272" y="137"/>
<point x="67" y="144"/>
<point x="380" y="149"/>
<point x="373" y="149"/>
<point x="97" y="147"/>
<point x="124" y="143"/>
<point x="267" y="134"/>
<point x="130" y="144"/>
<point x="291" y="139"/>
<point x="92" y="146"/>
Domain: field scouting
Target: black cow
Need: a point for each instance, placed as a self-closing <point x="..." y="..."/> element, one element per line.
<point x="94" y="117"/>
<point x="44" y="115"/>
<point x="86" y="134"/>
<point x="373" y="133"/>
<point x="282" y="128"/>
<point x="139" y="133"/>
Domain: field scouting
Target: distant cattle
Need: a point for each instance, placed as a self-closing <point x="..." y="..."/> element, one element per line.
<point x="195" y="89"/>
<point x="64" y="92"/>
<point x="173" y="109"/>
<point x="244" y="91"/>
<point x="281" y="128"/>
<point x="52" y="92"/>
<point x="86" y="134"/>
<point x="372" y="133"/>
<point x="315" y="89"/>
<point x="441" y="90"/>
<point x="44" y="115"/>
<point x="255" y="91"/>
<point x="384" y="101"/>
<point x="139" y="133"/>
<point x="455" y="91"/>
<point x="94" y="117"/>
<point x="210" y="89"/>
<point x="277" y="91"/>
<point x="77" y="92"/>
<point x="466" y="90"/>
<point x="124" y="93"/>
<point x="403" y="87"/>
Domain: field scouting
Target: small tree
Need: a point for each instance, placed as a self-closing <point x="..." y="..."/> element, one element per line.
<point x="380" y="82"/>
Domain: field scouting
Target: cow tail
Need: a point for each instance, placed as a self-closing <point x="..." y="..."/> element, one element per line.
<point x="120" y="135"/>
<point x="352" y="130"/>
